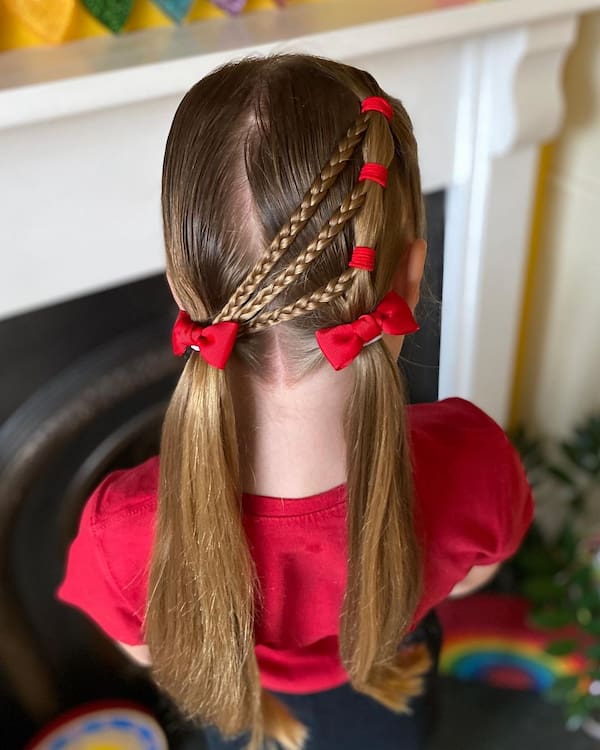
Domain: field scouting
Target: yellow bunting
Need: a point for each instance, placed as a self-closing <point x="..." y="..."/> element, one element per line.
<point x="49" y="19"/>
<point x="146" y="15"/>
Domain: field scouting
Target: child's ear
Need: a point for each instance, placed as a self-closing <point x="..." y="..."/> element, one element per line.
<point x="407" y="279"/>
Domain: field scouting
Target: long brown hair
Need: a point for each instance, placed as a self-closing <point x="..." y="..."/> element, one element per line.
<point x="261" y="210"/>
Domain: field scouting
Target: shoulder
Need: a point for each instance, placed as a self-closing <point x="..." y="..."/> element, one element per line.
<point x="472" y="499"/>
<point x="121" y="513"/>
<point x="107" y="562"/>
<point x="124" y="494"/>
<point x="452" y="423"/>
<point x="457" y="440"/>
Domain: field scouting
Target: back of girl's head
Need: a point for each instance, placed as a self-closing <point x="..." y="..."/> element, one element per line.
<point x="262" y="207"/>
<point x="247" y="143"/>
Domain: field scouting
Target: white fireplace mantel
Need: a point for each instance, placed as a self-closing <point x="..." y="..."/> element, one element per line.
<point x="83" y="127"/>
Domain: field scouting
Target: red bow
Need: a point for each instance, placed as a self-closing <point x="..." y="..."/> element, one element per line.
<point x="215" y="343"/>
<point x="341" y="344"/>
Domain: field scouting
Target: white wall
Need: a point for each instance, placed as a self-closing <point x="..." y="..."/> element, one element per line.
<point x="560" y="380"/>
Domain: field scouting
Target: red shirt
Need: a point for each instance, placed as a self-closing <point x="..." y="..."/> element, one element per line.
<point x="472" y="503"/>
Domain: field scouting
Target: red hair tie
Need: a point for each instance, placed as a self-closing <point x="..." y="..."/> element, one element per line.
<point x="341" y="344"/>
<point x="375" y="172"/>
<point x="377" y="104"/>
<point x="363" y="258"/>
<point x="214" y="342"/>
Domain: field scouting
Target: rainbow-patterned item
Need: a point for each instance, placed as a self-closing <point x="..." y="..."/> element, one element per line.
<point x="487" y="638"/>
<point x="102" y="725"/>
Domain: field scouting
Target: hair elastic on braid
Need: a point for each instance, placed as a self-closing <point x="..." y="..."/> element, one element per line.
<point x="375" y="172"/>
<point x="377" y="104"/>
<point x="363" y="258"/>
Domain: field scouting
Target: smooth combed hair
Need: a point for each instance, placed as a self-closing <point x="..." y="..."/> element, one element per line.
<point x="261" y="210"/>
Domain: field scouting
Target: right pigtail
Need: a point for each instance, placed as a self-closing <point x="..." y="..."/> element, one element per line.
<point x="384" y="561"/>
<point x="200" y="616"/>
<point x="384" y="578"/>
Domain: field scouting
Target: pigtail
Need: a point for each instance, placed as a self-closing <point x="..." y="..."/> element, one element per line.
<point x="384" y="562"/>
<point x="199" y="624"/>
<point x="383" y="558"/>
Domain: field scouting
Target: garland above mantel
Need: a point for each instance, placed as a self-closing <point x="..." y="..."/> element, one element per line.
<point x="51" y="19"/>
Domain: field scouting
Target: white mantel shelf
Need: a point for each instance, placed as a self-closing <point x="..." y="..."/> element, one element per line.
<point x="83" y="128"/>
<point x="45" y="83"/>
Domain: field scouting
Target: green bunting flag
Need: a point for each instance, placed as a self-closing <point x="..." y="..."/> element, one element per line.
<point x="112" y="13"/>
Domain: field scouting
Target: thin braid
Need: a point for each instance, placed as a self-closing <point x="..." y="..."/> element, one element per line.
<point x="334" y="289"/>
<point x="345" y="213"/>
<point x="288" y="233"/>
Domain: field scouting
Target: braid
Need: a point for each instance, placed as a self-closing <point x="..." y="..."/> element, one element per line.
<point x="335" y="288"/>
<point x="350" y="205"/>
<point x="288" y="233"/>
<point x="364" y="192"/>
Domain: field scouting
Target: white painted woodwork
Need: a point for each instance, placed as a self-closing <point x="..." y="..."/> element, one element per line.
<point x="83" y="128"/>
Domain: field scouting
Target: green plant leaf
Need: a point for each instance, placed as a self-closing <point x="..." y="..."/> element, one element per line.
<point x="582" y="576"/>
<point x="561" y="648"/>
<point x="591" y="702"/>
<point x="536" y="560"/>
<point x="575" y="713"/>
<point x="562" y="688"/>
<point x="572" y="452"/>
<point x="593" y="627"/>
<point x="567" y="541"/>
<point x="561" y="475"/>
<point x="584" y="616"/>
<point x="590" y="600"/>
<point x="594" y="652"/>
<point x="552" y="618"/>
<point x="542" y="589"/>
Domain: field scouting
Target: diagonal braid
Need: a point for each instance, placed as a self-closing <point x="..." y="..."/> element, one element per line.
<point x="336" y="223"/>
<point x="335" y="288"/>
<point x="288" y="233"/>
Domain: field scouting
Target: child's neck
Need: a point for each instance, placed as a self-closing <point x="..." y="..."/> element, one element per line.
<point x="291" y="437"/>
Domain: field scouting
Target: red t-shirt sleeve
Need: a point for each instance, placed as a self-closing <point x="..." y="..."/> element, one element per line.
<point x="501" y="504"/>
<point x="106" y="568"/>
<point x="515" y="509"/>
<point x="473" y="499"/>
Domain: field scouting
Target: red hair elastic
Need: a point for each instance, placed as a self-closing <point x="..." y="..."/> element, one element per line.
<point x="375" y="172"/>
<point x="377" y="104"/>
<point x="363" y="258"/>
<point x="341" y="344"/>
<point x="214" y="342"/>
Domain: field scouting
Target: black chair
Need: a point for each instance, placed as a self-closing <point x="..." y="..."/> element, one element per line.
<point x="104" y="412"/>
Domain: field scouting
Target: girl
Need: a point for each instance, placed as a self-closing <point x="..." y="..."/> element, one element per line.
<point x="301" y="521"/>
